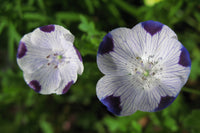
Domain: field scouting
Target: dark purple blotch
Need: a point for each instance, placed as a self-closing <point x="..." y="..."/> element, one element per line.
<point x="79" y="55"/>
<point x="152" y="27"/>
<point x="113" y="104"/>
<point x="184" y="59"/>
<point x="106" y="45"/>
<point x="67" y="87"/>
<point x="165" y="102"/>
<point x="35" y="85"/>
<point x="47" y="28"/>
<point x="21" y="50"/>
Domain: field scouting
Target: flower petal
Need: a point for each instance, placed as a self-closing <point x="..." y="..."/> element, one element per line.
<point x="152" y="27"/>
<point x="30" y="58"/>
<point x="45" y="80"/>
<point x="184" y="59"/>
<point x="165" y="102"/>
<point x="106" y="45"/>
<point x="149" y="35"/>
<point x="75" y="57"/>
<point x="68" y="75"/>
<point x="52" y="36"/>
<point x="79" y="61"/>
<point x="118" y="93"/>
<point x="69" y="70"/>
<point x="21" y="50"/>
<point x="156" y="96"/>
<point x="65" y="90"/>
<point x="117" y="52"/>
<point x="47" y="28"/>
<point x="175" y="62"/>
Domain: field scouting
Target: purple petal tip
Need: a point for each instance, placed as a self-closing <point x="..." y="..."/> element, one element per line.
<point x="165" y="102"/>
<point x="184" y="59"/>
<point x="21" y="50"/>
<point x="106" y="45"/>
<point x="47" y="28"/>
<point x="152" y="27"/>
<point x="113" y="104"/>
<point x="67" y="87"/>
<point x="79" y="55"/>
<point x="35" y="85"/>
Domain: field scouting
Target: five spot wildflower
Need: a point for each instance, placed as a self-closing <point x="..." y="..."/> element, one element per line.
<point x="145" y="68"/>
<point x="49" y="60"/>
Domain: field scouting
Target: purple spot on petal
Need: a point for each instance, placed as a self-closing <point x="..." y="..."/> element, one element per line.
<point x="113" y="104"/>
<point x="106" y="45"/>
<point x="79" y="55"/>
<point x="165" y="102"/>
<point x="47" y="28"/>
<point x="152" y="26"/>
<point x="35" y="85"/>
<point x="184" y="58"/>
<point x="21" y="50"/>
<point x="67" y="87"/>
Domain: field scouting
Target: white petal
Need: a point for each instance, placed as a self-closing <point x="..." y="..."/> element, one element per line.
<point x="121" y="55"/>
<point x="169" y="51"/>
<point x="68" y="74"/>
<point x="151" y="39"/>
<point x="172" y="70"/>
<point x="75" y="57"/>
<point x="166" y="91"/>
<point x="123" y="95"/>
<point x="52" y="36"/>
<point x="119" y="93"/>
<point x="45" y="80"/>
<point x="78" y="59"/>
<point x="154" y="95"/>
<point x="113" y="64"/>
<point x="174" y="77"/>
<point x="31" y="58"/>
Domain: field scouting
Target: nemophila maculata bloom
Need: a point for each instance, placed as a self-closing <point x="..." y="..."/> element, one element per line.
<point x="145" y="68"/>
<point x="48" y="59"/>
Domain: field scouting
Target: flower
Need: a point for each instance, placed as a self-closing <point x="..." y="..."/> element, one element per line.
<point x="49" y="60"/>
<point x="145" y="68"/>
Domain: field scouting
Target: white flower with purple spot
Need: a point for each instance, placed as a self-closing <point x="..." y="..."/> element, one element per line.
<point x="145" y="68"/>
<point x="49" y="60"/>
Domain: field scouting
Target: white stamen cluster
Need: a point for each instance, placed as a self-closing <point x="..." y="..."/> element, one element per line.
<point x="56" y="59"/>
<point x="146" y="68"/>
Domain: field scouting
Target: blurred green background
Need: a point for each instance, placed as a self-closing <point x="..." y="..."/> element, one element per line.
<point x="79" y="111"/>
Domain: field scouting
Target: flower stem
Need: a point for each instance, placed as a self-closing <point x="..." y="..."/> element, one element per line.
<point x="194" y="91"/>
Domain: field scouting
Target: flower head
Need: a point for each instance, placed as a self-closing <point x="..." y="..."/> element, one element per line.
<point x="49" y="60"/>
<point x="145" y="68"/>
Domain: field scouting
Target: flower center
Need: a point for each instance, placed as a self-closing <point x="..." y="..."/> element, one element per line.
<point x="59" y="57"/>
<point x="146" y="73"/>
<point x="146" y="68"/>
<point x="56" y="59"/>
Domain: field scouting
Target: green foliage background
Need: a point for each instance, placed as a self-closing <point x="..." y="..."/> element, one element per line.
<point x="79" y="111"/>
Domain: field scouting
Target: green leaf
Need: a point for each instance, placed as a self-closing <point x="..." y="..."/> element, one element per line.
<point x="129" y="8"/>
<point x="14" y="38"/>
<point x="171" y="124"/>
<point x="136" y="126"/>
<point x="89" y="6"/>
<point x="192" y="121"/>
<point x="68" y="16"/>
<point x="34" y="16"/>
<point x="41" y="5"/>
<point x="3" y="24"/>
<point x="87" y="26"/>
<point x="45" y="126"/>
